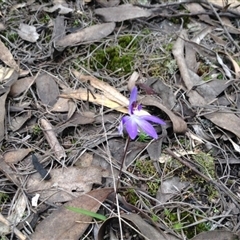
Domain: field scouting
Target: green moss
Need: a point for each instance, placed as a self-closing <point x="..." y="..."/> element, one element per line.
<point x="131" y="196"/>
<point x="146" y="169"/>
<point x="180" y="221"/>
<point x="45" y="18"/>
<point x="12" y="36"/>
<point x="206" y="163"/>
<point x="3" y="198"/>
<point x="116" y="58"/>
<point x="168" y="47"/>
<point x="36" y="130"/>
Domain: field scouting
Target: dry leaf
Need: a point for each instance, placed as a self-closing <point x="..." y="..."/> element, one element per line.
<point x="216" y="235"/>
<point x="84" y="95"/>
<point x="107" y="3"/>
<point x="18" y="121"/>
<point x="179" y="125"/>
<point x="235" y="66"/>
<point x="92" y="33"/>
<point x="62" y="223"/>
<point x="7" y="57"/>
<point x="61" y="9"/>
<point x="108" y="91"/>
<point x="62" y="105"/>
<point x="21" y="85"/>
<point x="2" y="115"/>
<point x="16" y="155"/>
<point x="169" y="188"/>
<point x="227" y="121"/>
<point x="195" y="8"/>
<point x="132" y="80"/>
<point x="8" y="172"/>
<point x="28" y="33"/>
<point x="122" y="13"/>
<point x="52" y="139"/>
<point x="47" y="89"/>
<point x="65" y="184"/>
<point x="5" y="73"/>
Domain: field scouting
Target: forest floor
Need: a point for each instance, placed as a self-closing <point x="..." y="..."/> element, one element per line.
<point x="67" y="70"/>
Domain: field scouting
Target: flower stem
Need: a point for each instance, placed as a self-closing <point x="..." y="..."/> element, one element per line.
<point x="123" y="160"/>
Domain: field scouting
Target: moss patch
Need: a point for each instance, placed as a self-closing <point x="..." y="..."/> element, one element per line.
<point x="180" y="221"/>
<point x="116" y="58"/>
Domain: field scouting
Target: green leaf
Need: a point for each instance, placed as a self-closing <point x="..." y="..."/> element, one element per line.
<point x="88" y="213"/>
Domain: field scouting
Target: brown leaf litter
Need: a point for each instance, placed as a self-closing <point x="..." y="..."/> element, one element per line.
<point x="62" y="97"/>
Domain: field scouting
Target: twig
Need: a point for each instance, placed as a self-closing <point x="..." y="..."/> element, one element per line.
<point x="123" y="160"/>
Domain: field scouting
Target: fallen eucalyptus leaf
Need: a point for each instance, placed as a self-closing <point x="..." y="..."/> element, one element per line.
<point x="92" y="33"/>
<point x="122" y="13"/>
<point x="14" y="156"/>
<point x="47" y="89"/>
<point x="65" y="184"/>
<point x="65" y="224"/>
<point x="7" y="57"/>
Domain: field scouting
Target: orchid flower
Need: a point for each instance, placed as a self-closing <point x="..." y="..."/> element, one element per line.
<point x="135" y="121"/>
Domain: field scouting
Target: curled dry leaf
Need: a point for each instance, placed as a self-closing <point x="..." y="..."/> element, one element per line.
<point x="5" y="73"/>
<point x="122" y="13"/>
<point x="52" y="139"/>
<point x="84" y="95"/>
<point x="179" y="125"/>
<point x="108" y="91"/>
<point x="92" y="33"/>
<point x="132" y="80"/>
<point x="17" y="155"/>
<point x="66" y="224"/>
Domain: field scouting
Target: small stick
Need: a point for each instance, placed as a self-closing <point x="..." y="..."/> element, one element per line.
<point x="123" y="160"/>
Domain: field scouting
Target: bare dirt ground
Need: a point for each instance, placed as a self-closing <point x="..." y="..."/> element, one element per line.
<point x="67" y="69"/>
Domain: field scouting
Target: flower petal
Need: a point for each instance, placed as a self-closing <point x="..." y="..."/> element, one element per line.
<point x="146" y="127"/>
<point x="131" y="127"/>
<point x="153" y="119"/>
<point x="133" y="96"/>
<point x="120" y="128"/>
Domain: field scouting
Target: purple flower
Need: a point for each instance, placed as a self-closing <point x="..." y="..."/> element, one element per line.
<point x="135" y="121"/>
